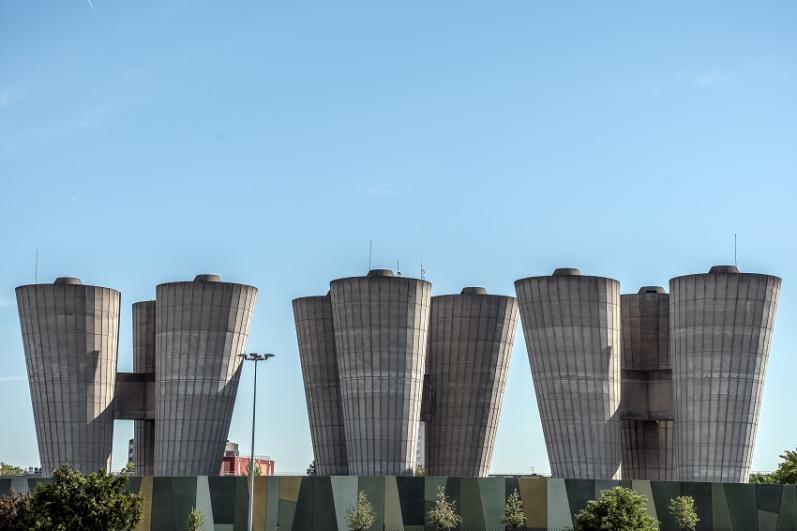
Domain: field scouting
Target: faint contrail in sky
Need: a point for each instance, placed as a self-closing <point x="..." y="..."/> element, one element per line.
<point x="90" y="5"/>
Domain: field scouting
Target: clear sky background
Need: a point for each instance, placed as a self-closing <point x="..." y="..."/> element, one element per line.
<point x="268" y="142"/>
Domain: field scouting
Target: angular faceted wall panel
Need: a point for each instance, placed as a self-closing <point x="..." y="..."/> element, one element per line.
<point x="316" y="335"/>
<point x="470" y="345"/>
<point x="70" y="333"/>
<point x="201" y="327"/>
<point x="720" y="331"/>
<point x="571" y="324"/>
<point x="381" y="324"/>
<point x="402" y="503"/>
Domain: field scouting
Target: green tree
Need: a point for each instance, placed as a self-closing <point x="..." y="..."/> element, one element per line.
<point x="420" y="471"/>
<point x="786" y="472"/>
<point x="514" y="515"/>
<point x="444" y="513"/>
<point x="129" y="469"/>
<point x="196" y="520"/>
<point x="682" y="510"/>
<point x="619" y="509"/>
<point x="760" y="477"/>
<point x="15" y="512"/>
<point x="95" y="502"/>
<point x="361" y="515"/>
<point x="10" y="470"/>
<point x="311" y="470"/>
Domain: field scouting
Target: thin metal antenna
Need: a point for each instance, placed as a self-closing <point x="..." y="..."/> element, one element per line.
<point x="423" y="271"/>
<point x="36" y="269"/>
<point x="398" y="268"/>
<point x="735" y="263"/>
<point x="370" y="252"/>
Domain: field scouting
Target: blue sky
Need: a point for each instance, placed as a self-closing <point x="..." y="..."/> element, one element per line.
<point x="268" y="142"/>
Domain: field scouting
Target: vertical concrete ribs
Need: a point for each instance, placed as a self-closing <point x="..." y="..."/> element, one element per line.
<point x="315" y="333"/>
<point x="571" y="324"/>
<point x="201" y="328"/>
<point x="470" y="345"/>
<point x="144" y="362"/>
<point x="381" y="324"/>
<point x="720" y="332"/>
<point x="70" y="333"/>
<point x="646" y="406"/>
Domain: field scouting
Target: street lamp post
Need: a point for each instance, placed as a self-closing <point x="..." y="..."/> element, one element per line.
<point x="253" y="356"/>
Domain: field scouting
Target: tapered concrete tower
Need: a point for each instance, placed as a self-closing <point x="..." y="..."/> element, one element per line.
<point x="470" y="345"/>
<point x="200" y="329"/>
<point x="720" y="331"/>
<point x="381" y="324"/>
<point x="647" y="409"/>
<point x="70" y="333"/>
<point x="316" y="335"/>
<point x="144" y="362"/>
<point x="572" y="328"/>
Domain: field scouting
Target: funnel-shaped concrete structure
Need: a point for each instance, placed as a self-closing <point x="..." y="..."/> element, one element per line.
<point x="647" y="408"/>
<point x="720" y="331"/>
<point x="70" y="333"/>
<point x="381" y="324"/>
<point x="470" y="345"/>
<point x="201" y="327"/>
<point x="144" y="362"/>
<point x="571" y="324"/>
<point x="316" y="336"/>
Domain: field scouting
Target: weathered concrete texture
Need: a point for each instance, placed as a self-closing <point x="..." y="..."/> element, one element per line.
<point x="144" y="362"/>
<point x="201" y="328"/>
<point x="316" y="335"/>
<point x="572" y="328"/>
<point x="381" y="324"/>
<point x="646" y="408"/>
<point x="648" y="449"/>
<point x="470" y="345"/>
<point x="70" y="334"/>
<point x="720" y="330"/>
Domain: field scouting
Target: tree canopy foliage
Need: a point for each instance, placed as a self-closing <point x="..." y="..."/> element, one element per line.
<point x="94" y="502"/>
<point x="514" y="515"/>
<point x="785" y="474"/>
<point x="619" y="509"/>
<point x="10" y="470"/>
<point x="682" y="510"/>
<point x="361" y="516"/>
<point x="444" y="513"/>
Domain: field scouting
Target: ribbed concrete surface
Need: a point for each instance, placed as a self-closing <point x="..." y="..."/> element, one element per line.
<point x="144" y="361"/>
<point x="381" y="325"/>
<point x="316" y="336"/>
<point x="647" y="409"/>
<point x="70" y="334"/>
<point x="201" y="328"/>
<point x="721" y="328"/>
<point x="648" y="449"/>
<point x="571" y="324"/>
<point x="470" y="345"/>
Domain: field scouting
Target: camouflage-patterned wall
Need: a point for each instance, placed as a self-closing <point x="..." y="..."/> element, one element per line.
<point x="320" y="503"/>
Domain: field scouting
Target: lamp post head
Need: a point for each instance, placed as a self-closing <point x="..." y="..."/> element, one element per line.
<point x="254" y="356"/>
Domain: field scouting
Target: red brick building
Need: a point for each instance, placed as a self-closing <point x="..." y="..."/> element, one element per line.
<point x="235" y="464"/>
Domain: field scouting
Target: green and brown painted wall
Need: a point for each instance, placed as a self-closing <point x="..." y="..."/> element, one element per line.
<point x="320" y="503"/>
